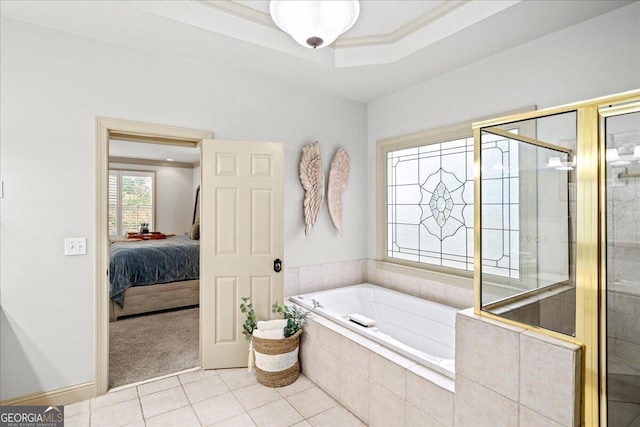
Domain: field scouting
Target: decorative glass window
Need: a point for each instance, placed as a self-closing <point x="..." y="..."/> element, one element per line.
<point x="131" y="201"/>
<point x="430" y="204"/>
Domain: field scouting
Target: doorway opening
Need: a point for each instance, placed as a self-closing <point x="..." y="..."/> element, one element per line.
<point x="144" y="213"/>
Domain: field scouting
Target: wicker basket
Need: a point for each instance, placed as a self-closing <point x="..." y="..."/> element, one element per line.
<point x="276" y="361"/>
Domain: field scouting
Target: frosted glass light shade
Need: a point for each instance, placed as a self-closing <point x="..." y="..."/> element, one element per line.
<point x="613" y="158"/>
<point x="612" y="155"/>
<point x="314" y="23"/>
<point x="554" y="162"/>
<point x="558" y="164"/>
<point x="566" y="166"/>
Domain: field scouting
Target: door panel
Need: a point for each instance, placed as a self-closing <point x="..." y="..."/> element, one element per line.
<point x="226" y="295"/>
<point x="241" y="235"/>
<point x="226" y="216"/>
<point x="261" y="219"/>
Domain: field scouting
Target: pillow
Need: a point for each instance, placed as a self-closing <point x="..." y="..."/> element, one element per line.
<point x="194" y="233"/>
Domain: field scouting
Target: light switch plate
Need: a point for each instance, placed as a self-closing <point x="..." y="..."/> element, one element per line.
<point x="75" y="246"/>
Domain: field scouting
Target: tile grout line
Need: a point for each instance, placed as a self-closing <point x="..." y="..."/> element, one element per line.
<point x="190" y="404"/>
<point x="329" y="409"/>
<point x="144" y="419"/>
<point x="188" y="400"/>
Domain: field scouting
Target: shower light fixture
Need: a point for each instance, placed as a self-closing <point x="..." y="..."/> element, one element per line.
<point x="558" y="164"/>
<point x="554" y="162"/>
<point x="613" y="158"/>
<point x="314" y="24"/>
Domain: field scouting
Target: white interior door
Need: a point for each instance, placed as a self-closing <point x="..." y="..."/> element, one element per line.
<point x="241" y="235"/>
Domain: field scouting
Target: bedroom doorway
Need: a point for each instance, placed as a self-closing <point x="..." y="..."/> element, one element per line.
<point x="154" y="252"/>
<point x="140" y="193"/>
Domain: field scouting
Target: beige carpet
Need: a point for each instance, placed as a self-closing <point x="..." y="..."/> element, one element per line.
<point x="152" y="345"/>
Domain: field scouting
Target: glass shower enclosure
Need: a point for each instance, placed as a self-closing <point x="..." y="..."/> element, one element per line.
<point x="558" y="233"/>
<point x="528" y="203"/>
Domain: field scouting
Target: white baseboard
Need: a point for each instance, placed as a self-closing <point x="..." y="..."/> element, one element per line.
<point x="61" y="396"/>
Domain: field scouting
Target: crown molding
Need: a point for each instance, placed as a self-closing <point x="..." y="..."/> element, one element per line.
<point x="262" y="18"/>
<point x="411" y="27"/>
<point x="241" y="11"/>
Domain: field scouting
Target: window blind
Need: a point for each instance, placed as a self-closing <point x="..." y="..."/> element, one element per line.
<point x="113" y="203"/>
<point x="131" y="201"/>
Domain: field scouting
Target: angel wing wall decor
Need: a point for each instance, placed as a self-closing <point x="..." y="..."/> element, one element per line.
<point x="312" y="179"/>
<point x="338" y="177"/>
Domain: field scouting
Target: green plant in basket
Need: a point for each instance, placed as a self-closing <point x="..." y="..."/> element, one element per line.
<point x="251" y="322"/>
<point x="295" y="316"/>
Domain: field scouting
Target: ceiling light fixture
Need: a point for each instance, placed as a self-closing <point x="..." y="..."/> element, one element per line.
<point x="169" y="160"/>
<point x="314" y="24"/>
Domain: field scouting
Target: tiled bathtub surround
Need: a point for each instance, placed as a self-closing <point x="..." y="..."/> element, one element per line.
<point x="454" y="291"/>
<point x="505" y="376"/>
<point x="379" y="386"/>
<point x="511" y="376"/>
<point x="318" y="277"/>
<point x="446" y="289"/>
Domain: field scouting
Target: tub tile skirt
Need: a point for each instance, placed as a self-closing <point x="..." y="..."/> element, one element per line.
<point x="539" y="386"/>
<point x="379" y="386"/>
<point x="506" y="375"/>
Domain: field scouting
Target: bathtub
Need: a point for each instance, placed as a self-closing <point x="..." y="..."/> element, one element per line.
<point x="420" y="330"/>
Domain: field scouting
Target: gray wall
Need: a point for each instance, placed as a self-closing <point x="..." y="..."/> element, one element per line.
<point x="53" y="86"/>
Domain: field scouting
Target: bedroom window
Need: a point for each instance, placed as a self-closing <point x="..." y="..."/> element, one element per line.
<point x="426" y="192"/>
<point x="131" y="201"/>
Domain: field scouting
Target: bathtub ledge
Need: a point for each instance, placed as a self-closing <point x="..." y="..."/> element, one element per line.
<point x="434" y="377"/>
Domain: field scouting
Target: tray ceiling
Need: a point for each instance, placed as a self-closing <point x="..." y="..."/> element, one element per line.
<point x="394" y="44"/>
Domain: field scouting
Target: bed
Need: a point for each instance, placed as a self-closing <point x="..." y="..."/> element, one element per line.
<point x="152" y="275"/>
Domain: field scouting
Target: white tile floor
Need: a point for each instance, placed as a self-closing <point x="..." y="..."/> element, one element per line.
<point x="224" y="397"/>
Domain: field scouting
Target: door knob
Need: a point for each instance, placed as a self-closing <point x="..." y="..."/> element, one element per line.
<point x="277" y="265"/>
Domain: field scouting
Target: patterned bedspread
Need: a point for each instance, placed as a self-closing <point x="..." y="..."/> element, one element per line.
<point x="150" y="262"/>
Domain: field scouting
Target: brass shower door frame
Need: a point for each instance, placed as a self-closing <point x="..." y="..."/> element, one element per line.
<point x="590" y="239"/>
<point x="605" y="112"/>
